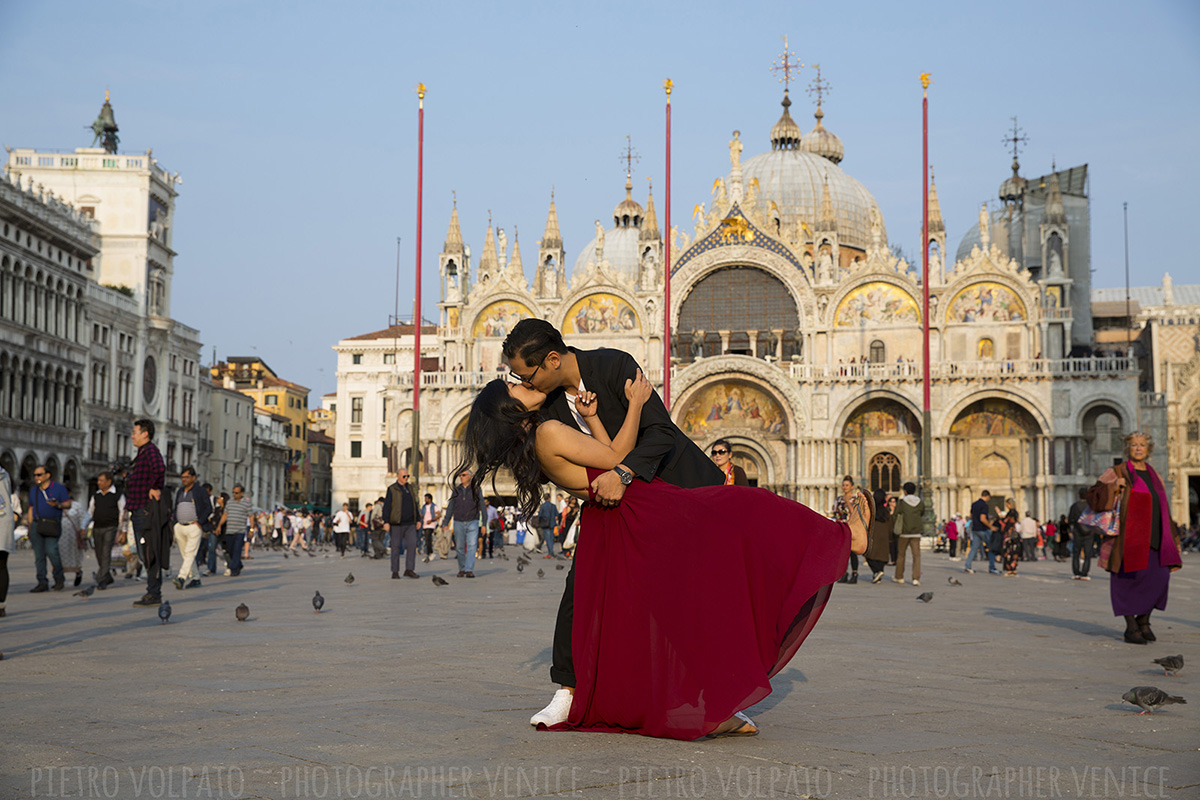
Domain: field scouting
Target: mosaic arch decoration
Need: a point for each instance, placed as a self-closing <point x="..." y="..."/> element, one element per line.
<point x="499" y="318"/>
<point x="732" y="405"/>
<point x="876" y="303"/>
<point x="994" y="418"/>
<point x="734" y="229"/>
<point x="986" y="302"/>
<point x="881" y="420"/>
<point x="601" y="313"/>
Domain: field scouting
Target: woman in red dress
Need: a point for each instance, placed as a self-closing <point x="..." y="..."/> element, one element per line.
<point x="669" y="640"/>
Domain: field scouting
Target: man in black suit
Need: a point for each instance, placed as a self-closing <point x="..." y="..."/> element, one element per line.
<point x="538" y="357"/>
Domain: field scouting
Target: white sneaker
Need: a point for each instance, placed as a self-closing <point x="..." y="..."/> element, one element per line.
<point x="228" y="572"/>
<point x="898" y="580"/>
<point x="916" y="583"/>
<point x="556" y="712"/>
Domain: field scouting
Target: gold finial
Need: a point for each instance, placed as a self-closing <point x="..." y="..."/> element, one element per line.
<point x="421" y="91"/>
<point x="106" y="95"/>
<point x="668" y="85"/>
<point x="819" y="87"/>
<point x="787" y="65"/>
<point x="629" y="156"/>
<point x="925" y="81"/>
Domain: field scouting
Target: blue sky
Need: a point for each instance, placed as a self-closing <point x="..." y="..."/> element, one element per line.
<point x="294" y="127"/>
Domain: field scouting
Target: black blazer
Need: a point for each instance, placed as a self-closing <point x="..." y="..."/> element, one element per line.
<point x="662" y="449"/>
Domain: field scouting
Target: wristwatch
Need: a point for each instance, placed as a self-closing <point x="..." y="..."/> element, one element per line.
<point x="625" y="476"/>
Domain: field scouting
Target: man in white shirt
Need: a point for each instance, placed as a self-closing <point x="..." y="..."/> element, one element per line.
<point x="341" y="528"/>
<point x="1029" y="534"/>
<point x="106" y="509"/>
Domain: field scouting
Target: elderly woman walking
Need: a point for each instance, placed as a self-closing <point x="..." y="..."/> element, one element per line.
<point x="1146" y="549"/>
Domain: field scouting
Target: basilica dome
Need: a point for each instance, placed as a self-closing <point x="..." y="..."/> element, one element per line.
<point x="794" y="173"/>
<point x="621" y="242"/>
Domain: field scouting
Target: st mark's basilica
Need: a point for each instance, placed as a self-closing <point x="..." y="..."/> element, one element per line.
<point x="796" y="334"/>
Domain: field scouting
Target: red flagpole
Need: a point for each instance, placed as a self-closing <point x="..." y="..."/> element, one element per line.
<point x="667" y="266"/>
<point x="926" y="433"/>
<point x="414" y="463"/>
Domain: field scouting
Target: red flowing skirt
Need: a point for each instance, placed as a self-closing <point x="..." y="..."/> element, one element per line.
<point x="687" y="602"/>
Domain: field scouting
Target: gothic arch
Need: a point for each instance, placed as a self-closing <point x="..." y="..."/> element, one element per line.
<point x="697" y="377"/>
<point x="602" y="289"/>
<point x="941" y="425"/>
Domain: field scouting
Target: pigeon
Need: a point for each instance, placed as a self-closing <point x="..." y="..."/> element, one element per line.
<point x="541" y="573"/>
<point x="925" y="597"/>
<point x="350" y="579"/>
<point x="520" y="566"/>
<point x="953" y="581"/>
<point x="559" y="566"/>
<point x="1170" y="664"/>
<point x="437" y="581"/>
<point x="1150" y="698"/>
<point x="285" y="553"/>
<point x="242" y="612"/>
<point x="164" y="611"/>
<point x="318" y="601"/>
<point x="311" y="554"/>
<point x="87" y="592"/>
<point x="504" y="555"/>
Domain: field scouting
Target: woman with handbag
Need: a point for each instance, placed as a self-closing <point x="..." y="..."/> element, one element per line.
<point x="1144" y="552"/>
<point x="1010" y="548"/>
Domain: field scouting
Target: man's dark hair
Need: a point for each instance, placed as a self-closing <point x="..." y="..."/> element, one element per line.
<point x="107" y="474"/>
<point x="239" y="486"/>
<point x="147" y="425"/>
<point x="1082" y="494"/>
<point x="533" y="340"/>
<point x="188" y="470"/>
<point x="910" y="488"/>
<point x="985" y="493"/>
<point x="207" y="487"/>
<point x="429" y="497"/>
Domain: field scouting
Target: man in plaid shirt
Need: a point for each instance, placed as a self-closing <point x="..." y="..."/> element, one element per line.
<point x="143" y="484"/>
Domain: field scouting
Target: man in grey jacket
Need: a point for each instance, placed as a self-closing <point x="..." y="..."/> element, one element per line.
<point x="910" y="513"/>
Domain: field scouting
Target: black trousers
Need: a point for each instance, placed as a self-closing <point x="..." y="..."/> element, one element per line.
<point x="953" y="547"/>
<point x="562" y="663"/>
<point x="1081" y="558"/>
<point x="102" y="538"/>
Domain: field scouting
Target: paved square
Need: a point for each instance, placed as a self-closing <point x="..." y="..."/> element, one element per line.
<point x="1003" y="687"/>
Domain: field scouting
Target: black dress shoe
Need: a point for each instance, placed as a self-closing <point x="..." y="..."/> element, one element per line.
<point x="148" y="600"/>
<point x="41" y="587"/>
<point x="78" y="578"/>
<point x="408" y="573"/>
<point x="58" y="587"/>
<point x="395" y="575"/>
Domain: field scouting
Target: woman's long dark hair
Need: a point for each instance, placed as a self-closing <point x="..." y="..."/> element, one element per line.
<point x="881" y="509"/>
<point x="500" y="433"/>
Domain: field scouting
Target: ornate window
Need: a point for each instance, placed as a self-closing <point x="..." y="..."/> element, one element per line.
<point x="878" y="352"/>
<point x="885" y="473"/>
<point x="739" y="300"/>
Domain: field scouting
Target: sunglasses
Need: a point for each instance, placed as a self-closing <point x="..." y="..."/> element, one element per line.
<point x="720" y="452"/>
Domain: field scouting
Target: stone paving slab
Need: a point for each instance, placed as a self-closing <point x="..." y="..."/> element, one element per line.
<point x="1004" y="687"/>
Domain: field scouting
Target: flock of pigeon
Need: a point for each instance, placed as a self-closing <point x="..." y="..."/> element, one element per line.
<point x="1148" y="698"/>
<point x="242" y="612"/>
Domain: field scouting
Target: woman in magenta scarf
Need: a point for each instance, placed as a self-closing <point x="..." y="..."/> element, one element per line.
<point x="1146" y="550"/>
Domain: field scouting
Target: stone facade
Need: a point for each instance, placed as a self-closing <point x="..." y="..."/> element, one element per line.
<point x="47" y="252"/>
<point x="143" y="362"/>
<point x="796" y="334"/>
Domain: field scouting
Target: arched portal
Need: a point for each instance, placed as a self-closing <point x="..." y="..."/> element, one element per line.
<point x="1102" y="439"/>
<point x="996" y="443"/>
<point x="880" y="427"/>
